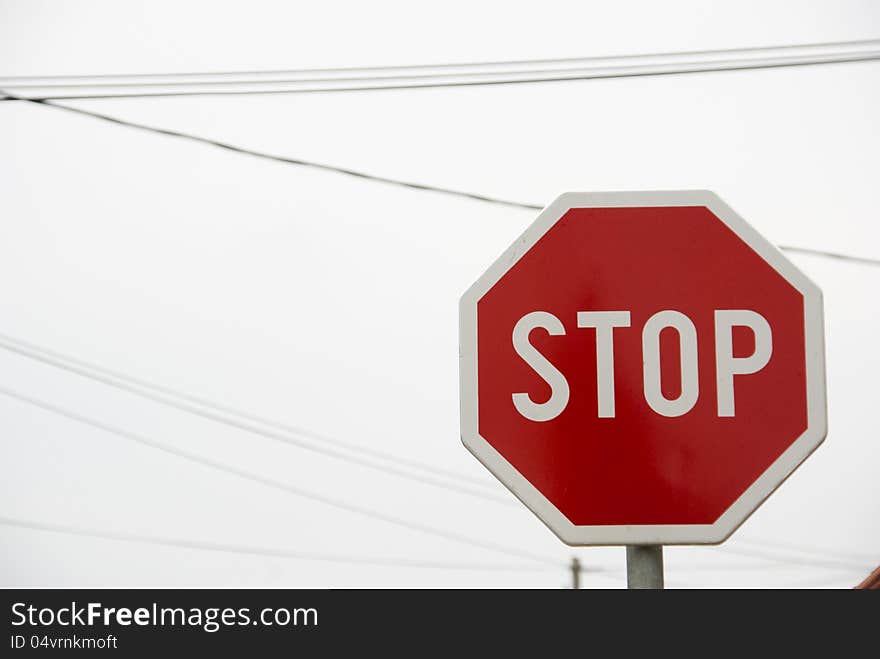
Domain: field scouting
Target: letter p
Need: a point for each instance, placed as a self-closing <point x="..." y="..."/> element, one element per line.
<point x="726" y="365"/>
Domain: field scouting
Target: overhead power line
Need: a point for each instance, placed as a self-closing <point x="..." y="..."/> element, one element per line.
<point x="830" y="255"/>
<point x="444" y="66"/>
<point x="282" y="159"/>
<point x="299" y="492"/>
<point x="437" y="75"/>
<point x="87" y="369"/>
<point x="800" y="548"/>
<point x="251" y="550"/>
<point x="244" y="421"/>
<point x="348" y="559"/>
<point x="139" y="386"/>
<point x="369" y="177"/>
<point x="789" y="559"/>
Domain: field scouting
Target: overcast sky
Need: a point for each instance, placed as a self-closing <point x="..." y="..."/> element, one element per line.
<point x="330" y="303"/>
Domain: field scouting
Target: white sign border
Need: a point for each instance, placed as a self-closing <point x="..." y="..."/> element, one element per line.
<point x="658" y="534"/>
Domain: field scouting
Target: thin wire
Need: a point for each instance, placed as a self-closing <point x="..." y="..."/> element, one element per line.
<point x="278" y="485"/>
<point x="456" y="65"/>
<point x="451" y="79"/>
<point x="223" y="414"/>
<point x="346" y="84"/>
<point x="276" y="158"/>
<point x="32" y="350"/>
<point x="366" y="176"/>
<point x="481" y="78"/>
<point x="800" y="548"/>
<point x="791" y="560"/>
<point x="833" y="582"/>
<point x="348" y="559"/>
<point x="345" y="559"/>
<point x="831" y="255"/>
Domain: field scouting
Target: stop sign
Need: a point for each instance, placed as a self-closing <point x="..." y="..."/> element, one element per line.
<point x="642" y="368"/>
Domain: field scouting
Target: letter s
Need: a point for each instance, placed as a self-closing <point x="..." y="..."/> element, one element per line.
<point x="559" y="391"/>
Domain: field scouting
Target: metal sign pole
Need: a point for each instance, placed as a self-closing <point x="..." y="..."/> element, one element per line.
<point x="644" y="566"/>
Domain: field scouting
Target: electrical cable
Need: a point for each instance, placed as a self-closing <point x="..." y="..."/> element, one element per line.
<point x="212" y="412"/>
<point x="864" y="260"/>
<point x="370" y="177"/>
<point x="572" y="61"/>
<point x="797" y="547"/>
<point x="276" y="158"/>
<point x="278" y="485"/>
<point x="58" y="359"/>
<point x="791" y="560"/>
<point x="433" y="76"/>
<point x="251" y="550"/>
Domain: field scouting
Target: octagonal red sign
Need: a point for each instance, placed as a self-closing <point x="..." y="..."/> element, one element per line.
<point x="642" y="368"/>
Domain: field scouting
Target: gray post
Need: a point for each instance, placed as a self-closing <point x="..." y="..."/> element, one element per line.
<point x="575" y="573"/>
<point x="644" y="566"/>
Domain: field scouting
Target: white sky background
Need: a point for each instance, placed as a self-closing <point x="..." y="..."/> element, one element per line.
<point x="331" y="303"/>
